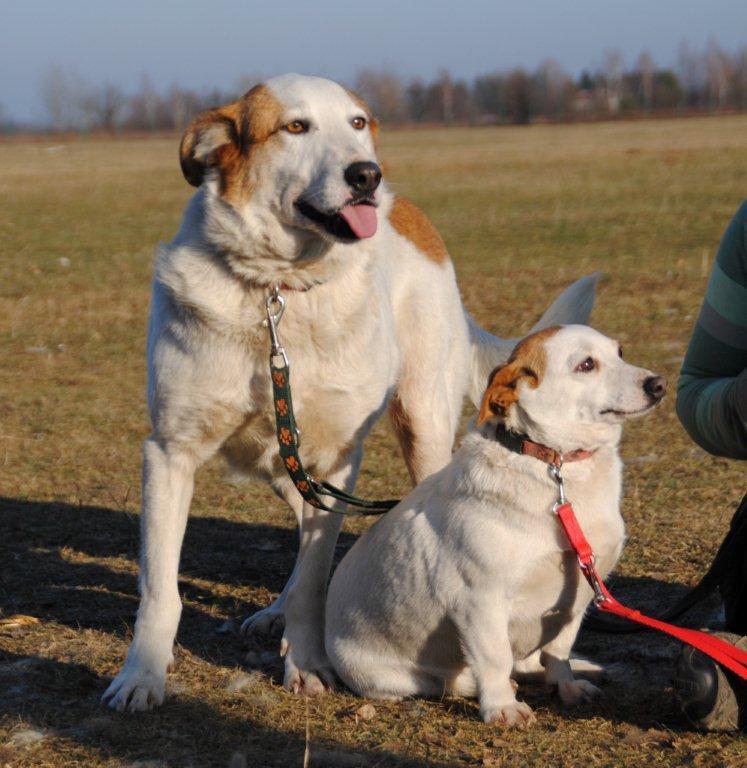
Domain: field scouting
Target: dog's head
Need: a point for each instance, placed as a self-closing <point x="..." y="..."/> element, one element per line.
<point x="293" y="158"/>
<point x="568" y="387"/>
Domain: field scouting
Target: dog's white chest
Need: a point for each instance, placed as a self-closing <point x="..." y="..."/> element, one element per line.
<point x="339" y="387"/>
<point x="551" y="590"/>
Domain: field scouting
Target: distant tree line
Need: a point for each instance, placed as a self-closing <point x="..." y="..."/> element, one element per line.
<point x="701" y="81"/>
<point x="708" y="81"/>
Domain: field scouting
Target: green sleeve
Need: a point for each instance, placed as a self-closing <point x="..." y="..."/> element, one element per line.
<point x="712" y="390"/>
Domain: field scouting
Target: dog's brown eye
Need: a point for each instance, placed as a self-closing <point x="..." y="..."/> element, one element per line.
<point x="620" y="352"/>
<point x="585" y="366"/>
<point x="297" y="126"/>
<point x="359" y="123"/>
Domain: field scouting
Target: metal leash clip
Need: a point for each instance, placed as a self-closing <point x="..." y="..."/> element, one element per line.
<point x="588" y="566"/>
<point x="275" y="306"/>
<point x="557" y="476"/>
<point x="591" y="576"/>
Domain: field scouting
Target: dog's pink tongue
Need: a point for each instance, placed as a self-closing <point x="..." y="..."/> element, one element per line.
<point x="361" y="219"/>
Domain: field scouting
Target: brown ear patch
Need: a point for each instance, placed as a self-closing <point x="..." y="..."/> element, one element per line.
<point x="263" y="113"/>
<point x="527" y="363"/>
<point x="204" y="136"/>
<point x="410" y="222"/>
<point x="225" y="138"/>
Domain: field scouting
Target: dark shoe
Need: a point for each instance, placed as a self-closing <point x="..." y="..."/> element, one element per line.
<point x="713" y="700"/>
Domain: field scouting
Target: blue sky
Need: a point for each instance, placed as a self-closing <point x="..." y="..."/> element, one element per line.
<point x="214" y="42"/>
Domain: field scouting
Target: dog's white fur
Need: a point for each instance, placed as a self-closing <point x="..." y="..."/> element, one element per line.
<point x="379" y="320"/>
<point x="471" y="576"/>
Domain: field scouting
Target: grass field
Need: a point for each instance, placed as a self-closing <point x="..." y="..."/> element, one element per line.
<point x="523" y="211"/>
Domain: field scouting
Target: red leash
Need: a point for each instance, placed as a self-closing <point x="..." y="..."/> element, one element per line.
<point x="720" y="651"/>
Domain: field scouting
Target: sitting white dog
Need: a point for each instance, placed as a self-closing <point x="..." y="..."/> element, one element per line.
<point x="471" y="577"/>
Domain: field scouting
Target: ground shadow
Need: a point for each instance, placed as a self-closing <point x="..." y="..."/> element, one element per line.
<point x="63" y="563"/>
<point x="637" y="685"/>
<point x="62" y="700"/>
<point x="53" y="565"/>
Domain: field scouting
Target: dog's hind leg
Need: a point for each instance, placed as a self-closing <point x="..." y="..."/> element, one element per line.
<point x="531" y="668"/>
<point x="379" y="673"/>
<point x="168" y="481"/>
<point x="271" y="619"/>
<point x="394" y="681"/>
<point x="555" y="658"/>
<point x="463" y="683"/>
<point x="307" y="668"/>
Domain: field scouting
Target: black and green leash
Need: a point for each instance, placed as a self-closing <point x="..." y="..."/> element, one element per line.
<point x="309" y="487"/>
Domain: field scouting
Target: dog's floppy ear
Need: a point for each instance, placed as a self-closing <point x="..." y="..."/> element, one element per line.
<point x="206" y="136"/>
<point x="527" y="362"/>
<point x="502" y="389"/>
<point x="224" y="137"/>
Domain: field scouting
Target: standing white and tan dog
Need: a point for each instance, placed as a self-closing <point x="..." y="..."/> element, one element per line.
<point x="471" y="577"/>
<point x="291" y="194"/>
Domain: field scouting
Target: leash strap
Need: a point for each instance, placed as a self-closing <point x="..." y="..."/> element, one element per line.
<point x="720" y="651"/>
<point x="730" y="553"/>
<point x="288" y="434"/>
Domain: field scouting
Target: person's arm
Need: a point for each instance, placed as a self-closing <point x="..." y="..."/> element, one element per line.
<point x="712" y="390"/>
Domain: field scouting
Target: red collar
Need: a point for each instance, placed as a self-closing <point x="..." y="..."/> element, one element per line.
<point x="523" y="445"/>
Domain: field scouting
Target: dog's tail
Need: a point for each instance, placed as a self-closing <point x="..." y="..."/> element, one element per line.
<point x="572" y="306"/>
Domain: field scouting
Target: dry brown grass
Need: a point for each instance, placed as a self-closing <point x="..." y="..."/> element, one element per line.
<point x="523" y="211"/>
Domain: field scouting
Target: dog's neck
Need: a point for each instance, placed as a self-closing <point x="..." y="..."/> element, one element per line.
<point x="257" y="248"/>
<point x="522" y="444"/>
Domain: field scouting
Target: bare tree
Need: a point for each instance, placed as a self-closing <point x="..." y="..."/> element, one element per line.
<point x="179" y="106"/>
<point x="719" y="67"/>
<point x="64" y="95"/>
<point x="104" y="107"/>
<point x="739" y="78"/>
<point x="518" y="96"/>
<point x="690" y="71"/>
<point x="612" y="68"/>
<point x="384" y="93"/>
<point x="144" y="107"/>
<point x="417" y="103"/>
<point x="552" y="89"/>
<point x="445" y="87"/>
<point x="463" y="105"/>
<point x="490" y="98"/>
<point x="646" y="70"/>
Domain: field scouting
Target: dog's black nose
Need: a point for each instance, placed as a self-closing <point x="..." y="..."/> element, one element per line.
<point x="363" y="176"/>
<point x="655" y="386"/>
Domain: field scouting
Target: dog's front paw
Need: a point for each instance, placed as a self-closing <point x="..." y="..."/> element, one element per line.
<point x="136" y="689"/>
<point x="516" y="715"/>
<point x="265" y="623"/>
<point x="306" y="671"/>
<point x="574" y="692"/>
